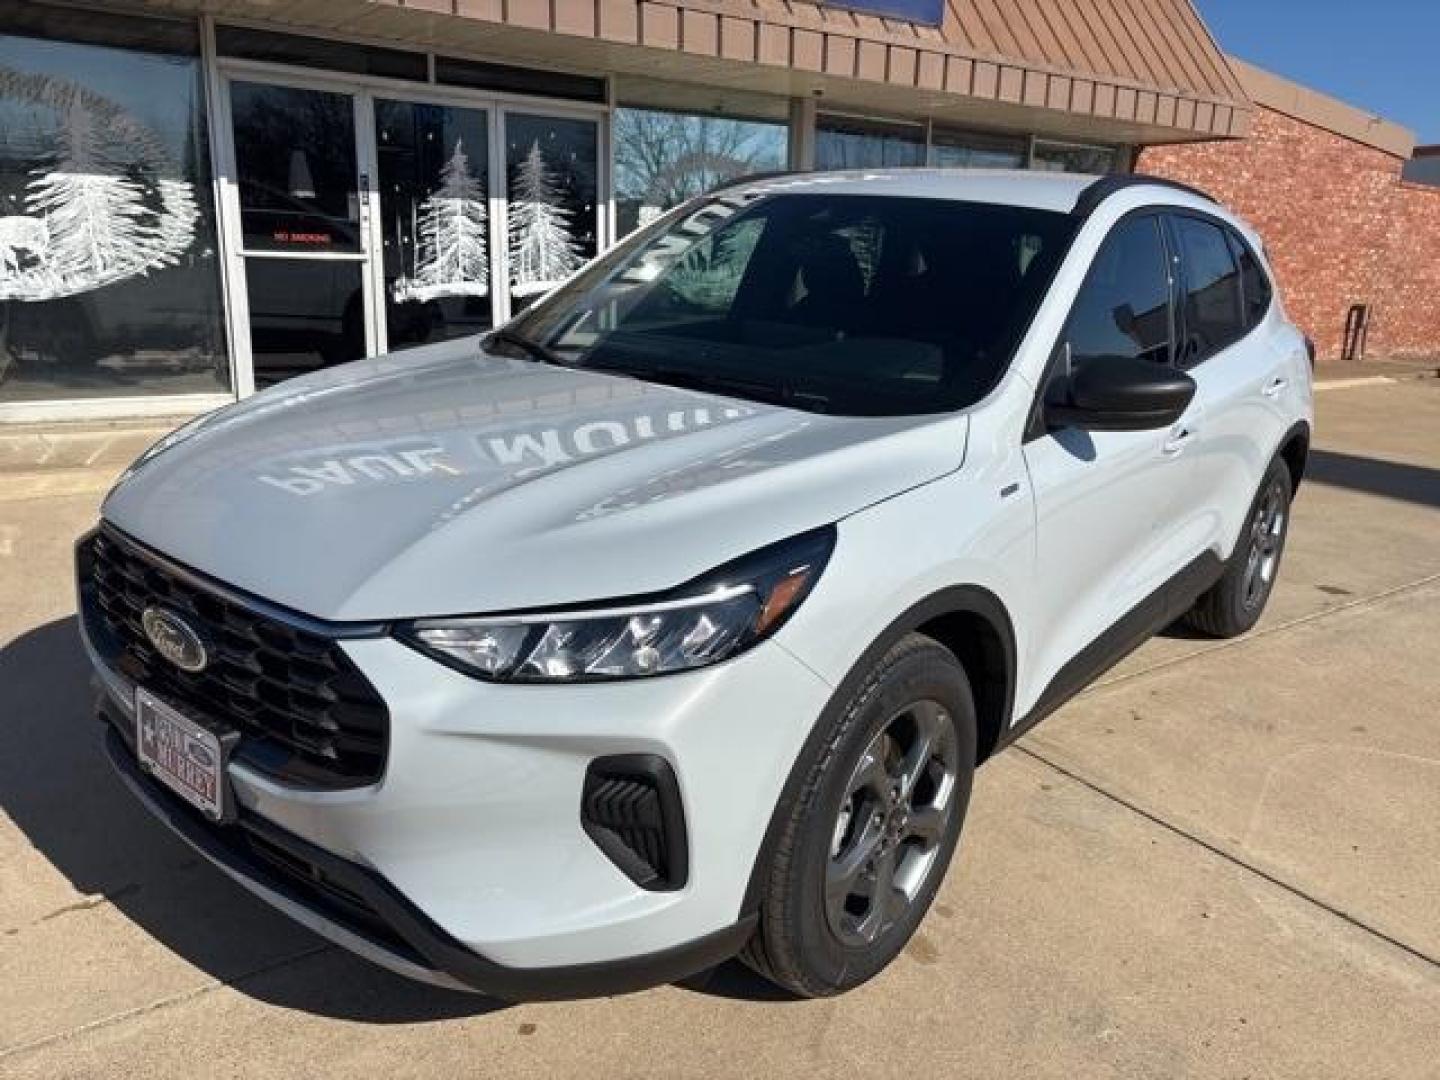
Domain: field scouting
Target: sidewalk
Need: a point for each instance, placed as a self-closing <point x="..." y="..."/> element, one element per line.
<point x="55" y="460"/>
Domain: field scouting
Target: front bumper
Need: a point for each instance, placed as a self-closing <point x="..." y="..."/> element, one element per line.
<point x="361" y="911"/>
<point x="469" y="858"/>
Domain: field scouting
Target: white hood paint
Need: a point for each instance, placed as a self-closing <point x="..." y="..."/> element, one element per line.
<point x="444" y="481"/>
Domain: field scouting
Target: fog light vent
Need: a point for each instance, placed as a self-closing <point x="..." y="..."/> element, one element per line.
<point x="631" y="809"/>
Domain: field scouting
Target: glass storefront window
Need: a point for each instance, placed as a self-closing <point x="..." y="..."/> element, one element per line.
<point x="109" y="283"/>
<point x="434" y="220"/>
<point x="663" y="158"/>
<point x="552" y="166"/>
<point x="844" y="142"/>
<point x="1069" y="157"/>
<point x="950" y="149"/>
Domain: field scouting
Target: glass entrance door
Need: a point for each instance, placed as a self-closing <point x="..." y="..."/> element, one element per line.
<point x="302" y="203"/>
<point x="437" y="205"/>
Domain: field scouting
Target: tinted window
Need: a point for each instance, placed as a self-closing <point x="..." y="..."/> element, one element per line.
<point x="1213" y="318"/>
<point x="850" y="304"/>
<point x="1253" y="282"/>
<point x="1123" y="308"/>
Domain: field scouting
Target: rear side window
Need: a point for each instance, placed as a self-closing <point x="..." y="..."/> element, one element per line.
<point x="1254" y="285"/>
<point x="1213" y="316"/>
<point x="1123" y="309"/>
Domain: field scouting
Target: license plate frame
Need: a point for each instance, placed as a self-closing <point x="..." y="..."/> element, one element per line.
<point x="187" y="756"/>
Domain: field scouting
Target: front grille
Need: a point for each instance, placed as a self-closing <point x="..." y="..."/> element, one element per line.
<point x="305" y="713"/>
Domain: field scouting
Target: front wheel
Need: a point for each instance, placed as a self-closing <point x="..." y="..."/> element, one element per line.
<point x="865" y="846"/>
<point x="1233" y="605"/>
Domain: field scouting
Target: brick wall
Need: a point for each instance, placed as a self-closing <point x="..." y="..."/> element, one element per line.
<point x="1339" y="225"/>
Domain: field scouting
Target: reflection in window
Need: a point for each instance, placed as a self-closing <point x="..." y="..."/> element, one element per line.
<point x="295" y="155"/>
<point x="951" y="149"/>
<point x="1065" y="157"/>
<point x="108" y="276"/>
<point x="664" y="158"/>
<point x="1213" y="316"/>
<point x="845" y="142"/>
<point x="847" y="304"/>
<point x="1253" y="282"/>
<point x="551" y="165"/>
<point x="435" y="220"/>
<point x="304" y="314"/>
<point x="1123" y="309"/>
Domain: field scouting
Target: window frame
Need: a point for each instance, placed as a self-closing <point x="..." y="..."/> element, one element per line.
<point x="1182" y="278"/>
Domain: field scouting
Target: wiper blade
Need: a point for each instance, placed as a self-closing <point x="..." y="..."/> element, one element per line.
<point x="534" y="349"/>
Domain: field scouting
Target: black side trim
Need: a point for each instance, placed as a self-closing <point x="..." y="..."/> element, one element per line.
<point x="421" y="941"/>
<point x="960" y="598"/>
<point x="1091" y="198"/>
<point x="1133" y="629"/>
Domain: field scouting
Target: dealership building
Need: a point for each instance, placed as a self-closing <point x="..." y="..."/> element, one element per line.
<point x="199" y="198"/>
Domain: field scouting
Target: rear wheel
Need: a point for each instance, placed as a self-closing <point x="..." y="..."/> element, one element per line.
<point x="1233" y="604"/>
<point x="864" y="848"/>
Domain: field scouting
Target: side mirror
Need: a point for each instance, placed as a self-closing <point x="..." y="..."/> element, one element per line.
<point x="1119" y="393"/>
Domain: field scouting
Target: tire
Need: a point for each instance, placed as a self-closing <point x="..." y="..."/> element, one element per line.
<point x="887" y="793"/>
<point x="1233" y="605"/>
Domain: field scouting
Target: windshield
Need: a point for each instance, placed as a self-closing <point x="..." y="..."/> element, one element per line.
<point x="859" y="305"/>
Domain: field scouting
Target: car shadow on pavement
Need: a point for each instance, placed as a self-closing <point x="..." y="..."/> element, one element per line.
<point x="1392" y="479"/>
<point x="57" y="788"/>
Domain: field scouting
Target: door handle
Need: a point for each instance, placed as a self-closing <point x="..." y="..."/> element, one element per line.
<point x="1275" y="385"/>
<point x="1179" y="438"/>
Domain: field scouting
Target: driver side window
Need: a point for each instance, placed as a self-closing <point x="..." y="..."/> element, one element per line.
<point x="1123" y="309"/>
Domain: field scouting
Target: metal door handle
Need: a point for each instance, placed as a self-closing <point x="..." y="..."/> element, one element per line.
<point x="1179" y="438"/>
<point x="1275" y="385"/>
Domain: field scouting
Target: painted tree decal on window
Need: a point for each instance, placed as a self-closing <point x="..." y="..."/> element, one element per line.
<point x="108" y="208"/>
<point x="543" y="252"/>
<point x="451" y="257"/>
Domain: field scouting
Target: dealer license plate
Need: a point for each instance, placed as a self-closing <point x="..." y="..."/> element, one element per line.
<point x="184" y="756"/>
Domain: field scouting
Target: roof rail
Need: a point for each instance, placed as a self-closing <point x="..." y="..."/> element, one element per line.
<point x="1102" y="189"/>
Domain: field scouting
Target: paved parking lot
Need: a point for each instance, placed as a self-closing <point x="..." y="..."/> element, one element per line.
<point x="1224" y="860"/>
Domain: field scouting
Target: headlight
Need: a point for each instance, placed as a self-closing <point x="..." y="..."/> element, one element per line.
<point x="710" y="619"/>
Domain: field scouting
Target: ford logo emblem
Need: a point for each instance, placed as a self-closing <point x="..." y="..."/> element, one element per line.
<point x="174" y="639"/>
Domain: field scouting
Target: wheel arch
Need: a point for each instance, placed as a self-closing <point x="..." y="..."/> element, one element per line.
<point x="970" y="621"/>
<point x="1294" y="450"/>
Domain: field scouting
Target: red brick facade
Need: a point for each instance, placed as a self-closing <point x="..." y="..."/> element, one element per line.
<point x="1340" y="226"/>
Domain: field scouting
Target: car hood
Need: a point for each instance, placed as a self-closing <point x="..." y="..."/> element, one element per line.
<point x="444" y="481"/>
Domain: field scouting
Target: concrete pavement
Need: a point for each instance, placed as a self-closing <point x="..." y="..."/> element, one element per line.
<point x="1221" y="861"/>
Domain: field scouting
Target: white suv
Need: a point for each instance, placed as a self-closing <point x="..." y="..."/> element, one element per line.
<point x="671" y="620"/>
